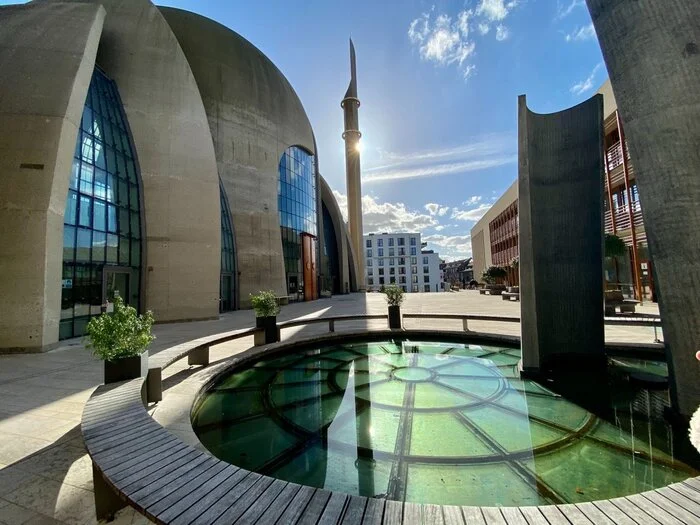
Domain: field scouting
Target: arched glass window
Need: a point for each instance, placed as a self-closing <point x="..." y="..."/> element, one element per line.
<point x="297" y="212"/>
<point x="228" y="259"/>
<point x="102" y="221"/>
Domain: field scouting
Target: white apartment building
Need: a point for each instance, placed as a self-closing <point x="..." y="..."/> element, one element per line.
<point x="397" y="258"/>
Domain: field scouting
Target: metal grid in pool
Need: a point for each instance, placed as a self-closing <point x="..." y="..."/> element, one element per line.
<point x="431" y="422"/>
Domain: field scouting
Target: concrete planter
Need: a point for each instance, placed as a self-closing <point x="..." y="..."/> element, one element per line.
<point x="395" y="317"/>
<point x="270" y="333"/>
<point x="126" y="368"/>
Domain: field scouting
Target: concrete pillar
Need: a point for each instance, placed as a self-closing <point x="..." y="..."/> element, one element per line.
<point x="560" y="180"/>
<point x="652" y="52"/>
<point x="47" y="52"/>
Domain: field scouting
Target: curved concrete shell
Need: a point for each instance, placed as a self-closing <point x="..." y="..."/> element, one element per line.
<point x="561" y="246"/>
<point x="254" y="116"/>
<point x="346" y="278"/>
<point x="47" y="55"/>
<point x="652" y="52"/>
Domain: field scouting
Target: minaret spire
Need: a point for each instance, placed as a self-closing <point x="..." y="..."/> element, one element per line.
<point x="351" y="136"/>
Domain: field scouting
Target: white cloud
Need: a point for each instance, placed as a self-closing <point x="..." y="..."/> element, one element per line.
<point x="443" y="211"/>
<point x="495" y="10"/>
<point x="483" y="28"/>
<point x="473" y="200"/>
<point x="485" y="152"/>
<point x="581" y="34"/>
<point x="564" y="10"/>
<point x="587" y="84"/>
<point x="450" y="246"/>
<point x="473" y="214"/>
<point x="435" y="209"/>
<point x="387" y="216"/>
<point x="502" y="33"/>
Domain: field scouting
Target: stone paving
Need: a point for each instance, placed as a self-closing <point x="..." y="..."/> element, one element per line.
<point x="45" y="474"/>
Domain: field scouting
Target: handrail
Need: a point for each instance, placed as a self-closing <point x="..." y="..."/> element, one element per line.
<point x="469" y="317"/>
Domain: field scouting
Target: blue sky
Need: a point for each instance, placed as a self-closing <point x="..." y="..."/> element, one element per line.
<point x="438" y="81"/>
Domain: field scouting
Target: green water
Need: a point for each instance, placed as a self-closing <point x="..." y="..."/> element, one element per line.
<point x="438" y="423"/>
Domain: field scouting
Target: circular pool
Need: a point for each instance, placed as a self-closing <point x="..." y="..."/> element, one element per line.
<point x="438" y="422"/>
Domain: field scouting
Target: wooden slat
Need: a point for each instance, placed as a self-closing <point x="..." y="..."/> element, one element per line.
<point x="163" y="477"/>
<point x="255" y="493"/>
<point x="693" y="483"/>
<point x="553" y="515"/>
<point x="279" y="505"/>
<point x="210" y="513"/>
<point x="473" y="516"/>
<point x="334" y="509"/>
<point x="433" y="514"/>
<point x="354" y="511"/>
<point x="666" y="506"/>
<point x="686" y="491"/>
<point x="166" y="447"/>
<point x="513" y="516"/>
<point x="192" y="505"/>
<point x="139" y="447"/>
<point x="296" y="506"/>
<point x="654" y="510"/>
<point x="179" y="463"/>
<point x="137" y="440"/>
<point x="633" y="511"/>
<point x="314" y="509"/>
<point x="393" y="512"/>
<point x="412" y="514"/>
<point x="574" y="514"/>
<point x="533" y="516"/>
<point x="613" y="512"/>
<point x="493" y="516"/>
<point x="260" y="505"/>
<point x="594" y="514"/>
<point x="688" y="505"/>
<point x="452" y="515"/>
<point x="374" y="512"/>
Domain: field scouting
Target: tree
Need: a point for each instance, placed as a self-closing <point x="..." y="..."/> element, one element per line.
<point x="493" y="273"/>
<point x="614" y="246"/>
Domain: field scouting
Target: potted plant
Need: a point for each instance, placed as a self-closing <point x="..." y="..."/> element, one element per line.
<point x="394" y="297"/>
<point x="492" y="275"/>
<point x="121" y="340"/>
<point x="266" y="310"/>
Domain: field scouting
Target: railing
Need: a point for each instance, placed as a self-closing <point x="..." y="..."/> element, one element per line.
<point x="330" y="320"/>
<point x="622" y="218"/>
<point x="613" y="155"/>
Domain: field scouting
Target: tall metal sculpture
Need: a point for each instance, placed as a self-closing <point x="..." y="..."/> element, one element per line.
<point x="351" y="136"/>
<point x="652" y="52"/>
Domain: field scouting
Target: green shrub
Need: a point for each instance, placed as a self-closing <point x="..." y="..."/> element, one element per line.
<point x="265" y="304"/>
<point x="614" y="246"/>
<point x="394" y="295"/>
<point x="493" y="273"/>
<point x="123" y="333"/>
<point x="515" y="262"/>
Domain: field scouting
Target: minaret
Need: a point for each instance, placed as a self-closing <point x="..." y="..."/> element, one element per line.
<point x="351" y="136"/>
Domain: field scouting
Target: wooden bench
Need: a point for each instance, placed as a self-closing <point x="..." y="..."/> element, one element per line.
<point x="614" y="300"/>
<point x="507" y="296"/>
<point x="197" y="353"/>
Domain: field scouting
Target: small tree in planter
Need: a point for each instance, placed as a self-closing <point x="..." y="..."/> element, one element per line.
<point x="492" y="274"/>
<point x="121" y="340"/>
<point x="266" y="310"/>
<point x="394" y="297"/>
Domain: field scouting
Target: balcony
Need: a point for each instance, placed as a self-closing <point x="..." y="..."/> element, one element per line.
<point x="622" y="223"/>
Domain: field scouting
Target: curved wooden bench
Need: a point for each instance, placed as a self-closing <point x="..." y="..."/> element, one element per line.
<point x="138" y="462"/>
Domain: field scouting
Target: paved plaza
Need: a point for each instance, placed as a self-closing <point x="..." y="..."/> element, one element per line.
<point x="45" y="473"/>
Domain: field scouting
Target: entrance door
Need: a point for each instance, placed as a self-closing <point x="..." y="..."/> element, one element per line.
<point x="116" y="283"/>
<point x="308" y="259"/>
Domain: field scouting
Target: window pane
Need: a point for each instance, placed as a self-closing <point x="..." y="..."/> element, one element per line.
<point x="84" y="245"/>
<point x="71" y="208"/>
<point x="112" y="246"/>
<point x="68" y="242"/>
<point x="85" y="211"/>
<point x="100" y="215"/>
<point x="99" y="240"/>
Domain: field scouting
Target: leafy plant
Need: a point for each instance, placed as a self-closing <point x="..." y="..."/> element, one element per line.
<point x="394" y="295"/>
<point x="265" y="304"/>
<point x="123" y="333"/>
<point x="515" y="262"/>
<point x="493" y="273"/>
<point x="614" y="246"/>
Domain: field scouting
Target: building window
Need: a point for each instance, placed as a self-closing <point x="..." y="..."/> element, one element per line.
<point x="402" y="251"/>
<point x="392" y="280"/>
<point x="370" y="281"/>
<point x="102" y="219"/>
<point x="413" y="241"/>
<point x="368" y="243"/>
<point x="380" y="262"/>
<point x="381" y="271"/>
<point x="414" y="260"/>
<point x="402" y="241"/>
<point x="380" y="242"/>
<point x="391" y="241"/>
<point x="414" y="288"/>
<point x="404" y="289"/>
<point x="392" y="271"/>
<point x="297" y="206"/>
<point x="380" y="252"/>
<point x="425" y="260"/>
<point x="426" y="288"/>
<point x="402" y="270"/>
<point x="414" y="269"/>
<point x="414" y="279"/>
<point x="227" y="281"/>
<point x="392" y="261"/>
<point x="402" y="279"/>
<point x="369" y="252"/>
<point x="413" y="250"/>
<point x="369" y="262"/>
<point x="426" y="279"/>
<point x="402" y="260"/>
<point x="370" y="271"/>
<point x="391" y="252"/>
<point x="426" y="269"/>
<point x="381" y="280"/>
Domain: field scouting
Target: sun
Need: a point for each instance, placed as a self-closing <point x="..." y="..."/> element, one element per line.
<point x="359" y="146"/>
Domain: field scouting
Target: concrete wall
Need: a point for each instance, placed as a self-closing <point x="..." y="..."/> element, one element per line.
<point x="481" y="249"/>
<point x="652" y="51"/>
<point x="341" y="237"/>
<point x="560" y="173"/>
<point x="609" y="102"/>
<point x="47" y="55"/>
<point x="254" y="116"/>
<point x="176" y="156"/>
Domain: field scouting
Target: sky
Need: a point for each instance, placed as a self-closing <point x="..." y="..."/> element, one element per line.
<point x="438" y="82"/>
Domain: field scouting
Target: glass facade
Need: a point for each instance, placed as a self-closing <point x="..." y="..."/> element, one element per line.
<point x="102" y="221"/>
<point x="331" y="266"/>
<point x="297" y="210"/>
<point x="227" y="299"/>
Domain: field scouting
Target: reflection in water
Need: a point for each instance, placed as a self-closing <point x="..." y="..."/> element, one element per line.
<point x="435" y="423"/>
